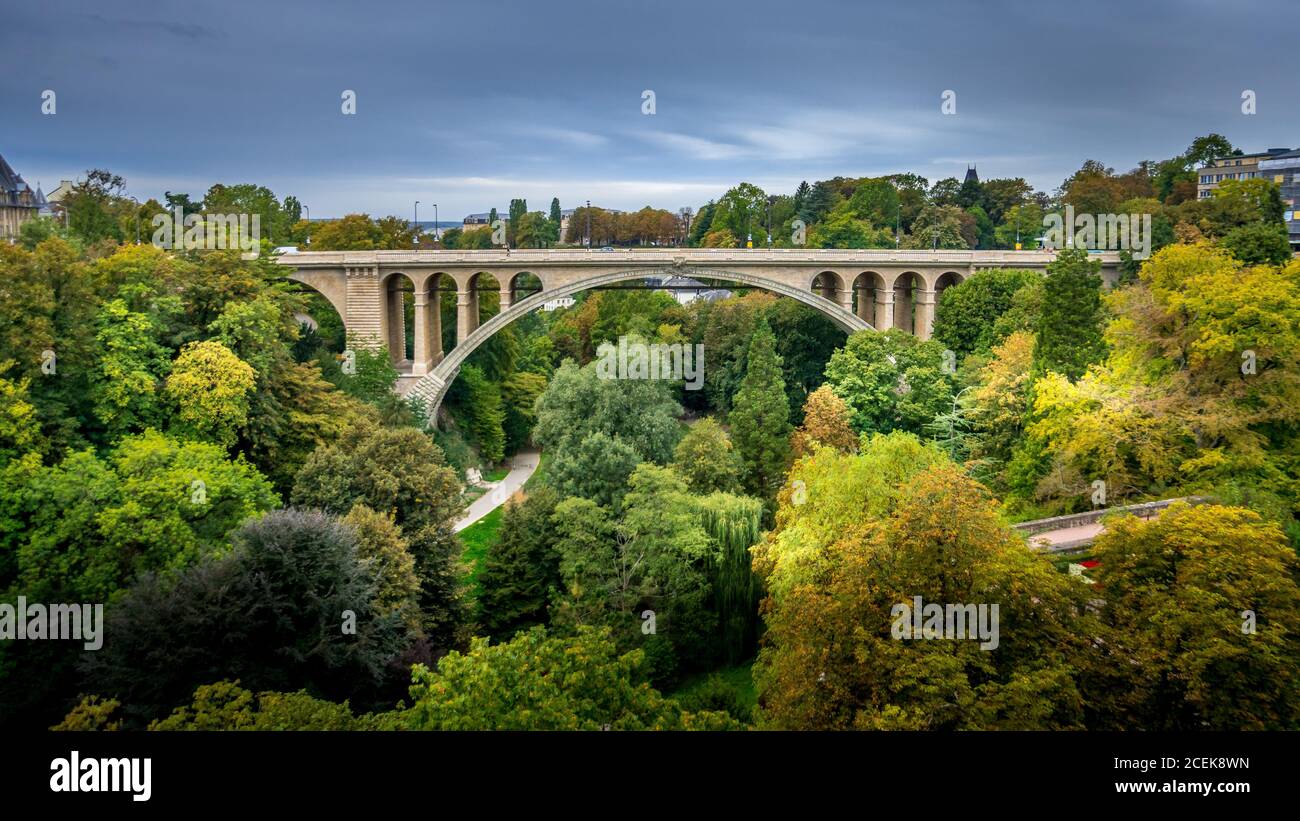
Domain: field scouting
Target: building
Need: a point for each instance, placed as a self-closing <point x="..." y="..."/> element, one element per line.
<point x="1284" y="169"/>
<point x="55" y="198"/>
<point x="971" y="175"/>
<point x="686" y="289"/>
<point x="482" y="221"/>
<point x="1239" y="167"/>
<point x="18" y="202"/>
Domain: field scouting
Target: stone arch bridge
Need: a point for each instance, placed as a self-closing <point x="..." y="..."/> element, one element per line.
<point x="857" y="289"/>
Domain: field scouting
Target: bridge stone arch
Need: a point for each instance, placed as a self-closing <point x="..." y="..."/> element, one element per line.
<point x="432" y="387"/>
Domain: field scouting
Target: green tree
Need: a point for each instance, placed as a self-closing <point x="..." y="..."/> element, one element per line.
<point x="967" y="313"/>
<point x="270" y="614"/>
<point x="485" y="414"/>
<point x="891" y="381"/>
<point x="706" y="459"/>
<point x="402" y="472"/>
<point x="131" y="366"/>
<point x="936" y="535"/>
<point x="1259" y="243"/>
<point x="1069" y="330"/>
<point x="541" y="682"/>
<point x="760" y="416"/>
<point x="521" y="569"/>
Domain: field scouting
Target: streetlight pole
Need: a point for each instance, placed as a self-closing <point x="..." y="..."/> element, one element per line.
<point x="588" y="225"/>
<point x="308" y="210"/>
<point x="436" y="236"/>
<point x="769" y="223"/>
<point x="415" y="238"/>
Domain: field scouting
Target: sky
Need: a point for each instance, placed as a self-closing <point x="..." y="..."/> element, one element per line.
<point x="470" y="104"/>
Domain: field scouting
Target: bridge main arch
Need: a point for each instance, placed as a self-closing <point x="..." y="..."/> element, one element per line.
<point x="432" y="387"/>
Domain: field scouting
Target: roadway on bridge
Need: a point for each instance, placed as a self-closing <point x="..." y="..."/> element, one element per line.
<point x="522" y="465"/>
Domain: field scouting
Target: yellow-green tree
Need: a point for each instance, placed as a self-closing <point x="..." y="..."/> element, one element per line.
<point x="210" y="387"/>
<point x="1201" y="623"/>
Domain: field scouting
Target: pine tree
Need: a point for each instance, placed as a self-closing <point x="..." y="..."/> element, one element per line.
<point x="521" y="567"/>
<point x="1069" y="329"/>
<point x="760" y="415"/>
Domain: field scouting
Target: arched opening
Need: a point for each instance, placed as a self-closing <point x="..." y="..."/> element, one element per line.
<point x="869" y="302"/>
<point x="907" y="291"/>
<point x="523" y="285"/>
<point x="828" y="285"/>
<point x="432" y="388"/>
<point x="397" y="326"/>
<point x="485" y="296"/>
<point x="321" y="328"/>
<point x="946" y="280"/>
<point x="435" y="314"/>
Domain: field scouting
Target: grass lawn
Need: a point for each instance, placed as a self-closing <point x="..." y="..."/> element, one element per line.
<point x="477" y="538"/>
<point x="496" y="474"/>
<point x="481" y="535"/>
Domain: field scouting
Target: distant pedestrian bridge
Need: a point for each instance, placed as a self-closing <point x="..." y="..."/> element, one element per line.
<point x="373" y="291"/>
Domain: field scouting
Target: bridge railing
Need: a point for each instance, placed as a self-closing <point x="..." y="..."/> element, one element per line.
<point x="1143" y="510"/>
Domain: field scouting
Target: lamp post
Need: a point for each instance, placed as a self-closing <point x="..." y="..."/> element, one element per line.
<point x="415" y="237"/>
<point x="435" y="223"/>
<point x="769" y="223"/>
<point x="588" y="225"/>
<point x="308" y="210"/>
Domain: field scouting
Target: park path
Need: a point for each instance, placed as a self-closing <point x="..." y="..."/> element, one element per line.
<point x="522" y="465"/>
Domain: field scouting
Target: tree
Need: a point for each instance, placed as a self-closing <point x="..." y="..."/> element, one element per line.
<point x="210" y="387"/>
<point x="760" y="417"/>
<point x="402" y="472"/>
<point x="967" y="312"/>
<point x="124" y="387"/>
<point x="89" y="526"/>
<point x="521" y="569"/>
<point x="556" y="216"/>
<point x="599" y="429"/>
<point x="940" y="537"/>
<point x="1259" y="243"/>
<point x="656" y="557"/>
<point x="825" y="423"/>
<point x="706" y="459"/>
<point x="890" y="381"/>
<point x="1201" y="623"/>
<point x="519" y="393"/>
<point x="1069" y="329"/>
<point x="541" y="682"/>
<point x="270" y="613"/>
<point x="937" y="226"/>
<point x="354" y="232"/>
<point x="93" y="205"/>
<point x="485" y="414"/>
<point x="389" y="562"/>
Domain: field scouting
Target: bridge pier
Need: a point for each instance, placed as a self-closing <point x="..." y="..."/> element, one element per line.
<point x="884" y="319"/>
<point x="924" y="313"/>
<point x="466" y="313"/>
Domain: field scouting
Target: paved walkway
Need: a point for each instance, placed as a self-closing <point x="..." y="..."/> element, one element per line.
<point x="1067" y="537"/>
<point x="522" y="465"/>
